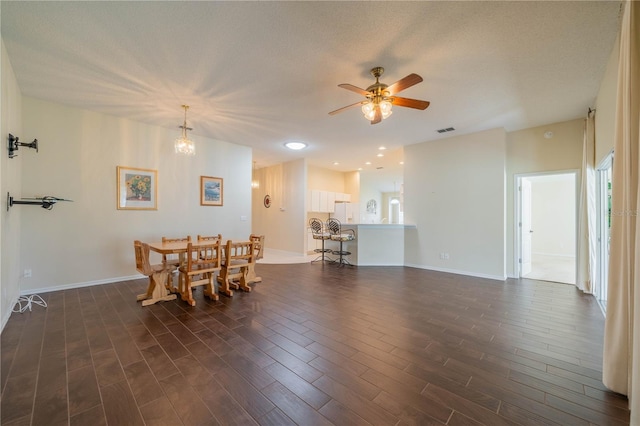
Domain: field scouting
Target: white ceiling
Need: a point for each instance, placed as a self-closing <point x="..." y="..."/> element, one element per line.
<point x="262" y="73"/>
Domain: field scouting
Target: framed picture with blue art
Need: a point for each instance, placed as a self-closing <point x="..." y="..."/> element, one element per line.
<point x="137" y="189"/>
<point x="210" y="191"/>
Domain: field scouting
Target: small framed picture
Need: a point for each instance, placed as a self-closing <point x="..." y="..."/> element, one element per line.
<point x="137" y="188"/>
<point x="211" y="191"/>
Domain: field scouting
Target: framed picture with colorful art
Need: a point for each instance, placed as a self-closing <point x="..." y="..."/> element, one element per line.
<point x="211" y="191"/>
<point x="137" y="188"/>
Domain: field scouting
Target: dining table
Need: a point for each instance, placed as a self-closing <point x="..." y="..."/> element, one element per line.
<point x="180" y="248"/>
<point x="172" y="247"/>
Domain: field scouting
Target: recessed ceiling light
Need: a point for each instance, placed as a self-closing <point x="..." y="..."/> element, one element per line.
<point x="359" y="168"/>
<point x="368" y="163"/>
<point x="380" y="155"/>
<point x="295" y="145"/>
<point x="382" y="148"/>
<point x="335" y="163"/>
<point x="402" y="163"/>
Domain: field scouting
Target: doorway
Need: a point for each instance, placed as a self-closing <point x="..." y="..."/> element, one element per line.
<point x="546" y="226"/>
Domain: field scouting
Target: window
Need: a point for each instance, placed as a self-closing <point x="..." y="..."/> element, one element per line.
<point x="603" y="219"/>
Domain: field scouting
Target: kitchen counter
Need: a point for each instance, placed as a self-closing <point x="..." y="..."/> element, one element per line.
<point x="376" y="244"/>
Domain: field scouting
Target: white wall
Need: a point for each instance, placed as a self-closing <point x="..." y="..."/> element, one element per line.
<point x="553" y="218"/>
<point x="368" y="193"/>
<point x="352" y="185"/>
<point x="606" y="107"/>
<point x="89" y="241"/>
<point x="10" y="170"/>
<point x="454" y="192"/>
<point x="325" y="179"/>
<point x="375" y="185"/>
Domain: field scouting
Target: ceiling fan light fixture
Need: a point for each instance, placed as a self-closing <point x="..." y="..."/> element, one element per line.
<point x="385" y="108"/>
<point x="369" y="110"/>
<point x="380" y="98"/>
<point x="183" y="145"/>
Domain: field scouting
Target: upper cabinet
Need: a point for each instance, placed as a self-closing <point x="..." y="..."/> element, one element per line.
<point x="324" y="201"/>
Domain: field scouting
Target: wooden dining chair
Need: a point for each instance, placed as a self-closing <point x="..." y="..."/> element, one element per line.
<point x="169" y="258"/>
<point x="259" y="249"/>
<point x="210" y="238"/>
<point x="158" y="274"/>
<point x="172" y="259"/>
<point x="238" y="257"/>
<point x="217" y="237"/>
<point x="202" y="262"/>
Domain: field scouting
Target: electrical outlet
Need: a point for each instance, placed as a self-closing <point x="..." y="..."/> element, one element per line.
<point x="27" y="273"/>
<point x="446" y="256"/>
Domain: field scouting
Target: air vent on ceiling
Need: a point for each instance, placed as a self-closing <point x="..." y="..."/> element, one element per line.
<point x="448" y="129"/>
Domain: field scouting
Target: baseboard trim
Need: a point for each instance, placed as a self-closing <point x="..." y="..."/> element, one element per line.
<point x="458" y="272"/>
<point x="80" y="285"/>
<point x="7" y="315"/>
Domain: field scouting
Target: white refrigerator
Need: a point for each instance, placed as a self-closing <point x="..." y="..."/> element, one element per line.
<point x="347" y="212"/>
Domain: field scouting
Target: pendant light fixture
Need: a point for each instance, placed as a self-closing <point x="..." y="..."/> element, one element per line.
<point x="183" y="144"/>
<point x="394" y="200"/>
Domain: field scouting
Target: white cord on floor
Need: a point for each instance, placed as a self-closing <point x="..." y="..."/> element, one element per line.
<point x="25" y="302"/>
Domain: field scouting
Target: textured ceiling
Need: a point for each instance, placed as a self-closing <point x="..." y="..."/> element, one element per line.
<point x="262" y="73"/>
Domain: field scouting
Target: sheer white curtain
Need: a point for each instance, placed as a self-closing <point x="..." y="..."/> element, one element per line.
<point x="587" y="210"/>
<point x="621" y="360"/>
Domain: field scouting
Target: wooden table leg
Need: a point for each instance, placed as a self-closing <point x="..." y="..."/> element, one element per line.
<point x="157" y="289"/>
<point x="244" y="282"/>
<point x="251" y="275"/>
<point x="173" y="289"/>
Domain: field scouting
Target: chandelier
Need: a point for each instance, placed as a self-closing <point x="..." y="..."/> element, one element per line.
<point x="183" y="144"/>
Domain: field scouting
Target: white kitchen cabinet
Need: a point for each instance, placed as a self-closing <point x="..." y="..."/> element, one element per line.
<point x="324" y="201"/>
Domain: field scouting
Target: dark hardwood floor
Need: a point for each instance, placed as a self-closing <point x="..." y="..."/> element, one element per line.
<point x="313" y="345"/>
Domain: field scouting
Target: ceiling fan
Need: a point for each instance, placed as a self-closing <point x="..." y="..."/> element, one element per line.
<point x="381" y="97"/>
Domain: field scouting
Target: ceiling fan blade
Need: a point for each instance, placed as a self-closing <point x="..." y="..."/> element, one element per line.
<point x="347" y="107"/>
<point x="410" y="103"/>
<point x="354" y="89"/>
<point x="404" y="83"/>
<point x="378" y="117"/>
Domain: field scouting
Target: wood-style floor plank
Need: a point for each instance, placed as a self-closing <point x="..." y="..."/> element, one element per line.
<point x="310" y="345"/>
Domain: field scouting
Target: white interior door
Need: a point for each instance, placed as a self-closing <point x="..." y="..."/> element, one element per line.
<point x="525" y="227"/>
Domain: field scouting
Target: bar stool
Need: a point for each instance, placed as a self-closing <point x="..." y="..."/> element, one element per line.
<point x="318" y="233"/>
<point x="336" y="234"/>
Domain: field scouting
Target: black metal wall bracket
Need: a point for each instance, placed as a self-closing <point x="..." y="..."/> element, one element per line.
<point x="46" y="202"/>
<point x="14" y="144"/>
